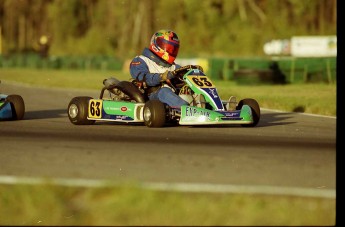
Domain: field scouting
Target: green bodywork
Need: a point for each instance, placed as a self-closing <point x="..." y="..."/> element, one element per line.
<point x="119" y="108"/>
<point x="199" y="116"/>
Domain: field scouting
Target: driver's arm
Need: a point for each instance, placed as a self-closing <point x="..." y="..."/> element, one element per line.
<point x="140" y="71"/>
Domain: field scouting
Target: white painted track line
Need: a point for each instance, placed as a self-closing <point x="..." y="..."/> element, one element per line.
<point x="181" y="187"/>
<point x="307" y="114"/>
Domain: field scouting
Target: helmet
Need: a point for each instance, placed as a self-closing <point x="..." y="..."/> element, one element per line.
<point x="165" y="44"/>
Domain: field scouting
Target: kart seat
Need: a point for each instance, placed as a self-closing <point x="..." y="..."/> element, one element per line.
<point x="126" y="87"/>
<point x="131" y="90"/>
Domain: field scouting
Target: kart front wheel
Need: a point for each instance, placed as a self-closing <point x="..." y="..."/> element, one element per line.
<point x="78" y="110"/>
<point x="154" y="114"/>
<point x="18" y="106"/>
<point x="253" y="104"/>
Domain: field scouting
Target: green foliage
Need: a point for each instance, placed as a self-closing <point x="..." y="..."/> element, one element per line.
<point x="124" y="28"/>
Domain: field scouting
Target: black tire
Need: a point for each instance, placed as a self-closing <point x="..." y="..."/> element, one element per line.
<point x="18" y="106"/>
<point x="78" y="110"/>
<point x="154" y="114"/>
<point x="255" y="110"/>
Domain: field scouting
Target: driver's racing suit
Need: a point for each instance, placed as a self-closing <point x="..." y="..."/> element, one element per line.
<point x="147" y="68"/>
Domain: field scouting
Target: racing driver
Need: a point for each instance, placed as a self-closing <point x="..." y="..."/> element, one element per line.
<point x="155" y="65"/>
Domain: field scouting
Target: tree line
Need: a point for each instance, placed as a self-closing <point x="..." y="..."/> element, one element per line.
<point x="122" y="28"/>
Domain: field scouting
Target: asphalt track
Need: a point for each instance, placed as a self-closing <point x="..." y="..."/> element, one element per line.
<point x="285" y="150"/>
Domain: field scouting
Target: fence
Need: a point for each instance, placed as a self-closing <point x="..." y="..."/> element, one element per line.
<point x="67" y="62"/>
<point x="276" y="70"/>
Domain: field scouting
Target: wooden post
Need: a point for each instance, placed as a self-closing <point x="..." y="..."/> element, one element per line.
<point x="0" y="41"/>
<point x="329" y="73"/>
<point x="305" y="73"/>
<point x="292" y="71"/>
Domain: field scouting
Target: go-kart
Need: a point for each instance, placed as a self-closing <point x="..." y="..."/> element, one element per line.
<point x="12" y="107"/>
<point x="128" y="102"/>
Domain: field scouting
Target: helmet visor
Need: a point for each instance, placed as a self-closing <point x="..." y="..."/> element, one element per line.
<point x="170" y="47"/>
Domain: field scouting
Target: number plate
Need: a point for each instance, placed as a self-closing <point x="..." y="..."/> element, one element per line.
<point x="95" y="108"/>
<point x="201" y="81"/>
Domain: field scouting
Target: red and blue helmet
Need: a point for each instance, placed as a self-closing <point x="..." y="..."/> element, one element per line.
<point x="165" y="44"/>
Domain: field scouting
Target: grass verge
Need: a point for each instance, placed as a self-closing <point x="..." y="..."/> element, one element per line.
<point x="130" y="205"/>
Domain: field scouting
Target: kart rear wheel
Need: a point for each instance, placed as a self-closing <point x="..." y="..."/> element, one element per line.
<point x="255" y="110"/>
<point x="18" y="106"/>
<point x="78" y="110"/>
<point x="154" y="114"/>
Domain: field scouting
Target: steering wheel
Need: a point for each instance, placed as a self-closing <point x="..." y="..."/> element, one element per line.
<point x="184" y="69"/>
<point x="177" y="81"/>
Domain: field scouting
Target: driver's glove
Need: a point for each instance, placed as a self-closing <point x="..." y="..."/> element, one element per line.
<point x="200" y="68"/>
<point x="166" y="75"/>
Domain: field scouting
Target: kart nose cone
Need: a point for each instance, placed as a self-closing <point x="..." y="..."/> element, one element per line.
<point x="73" y="111"/>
